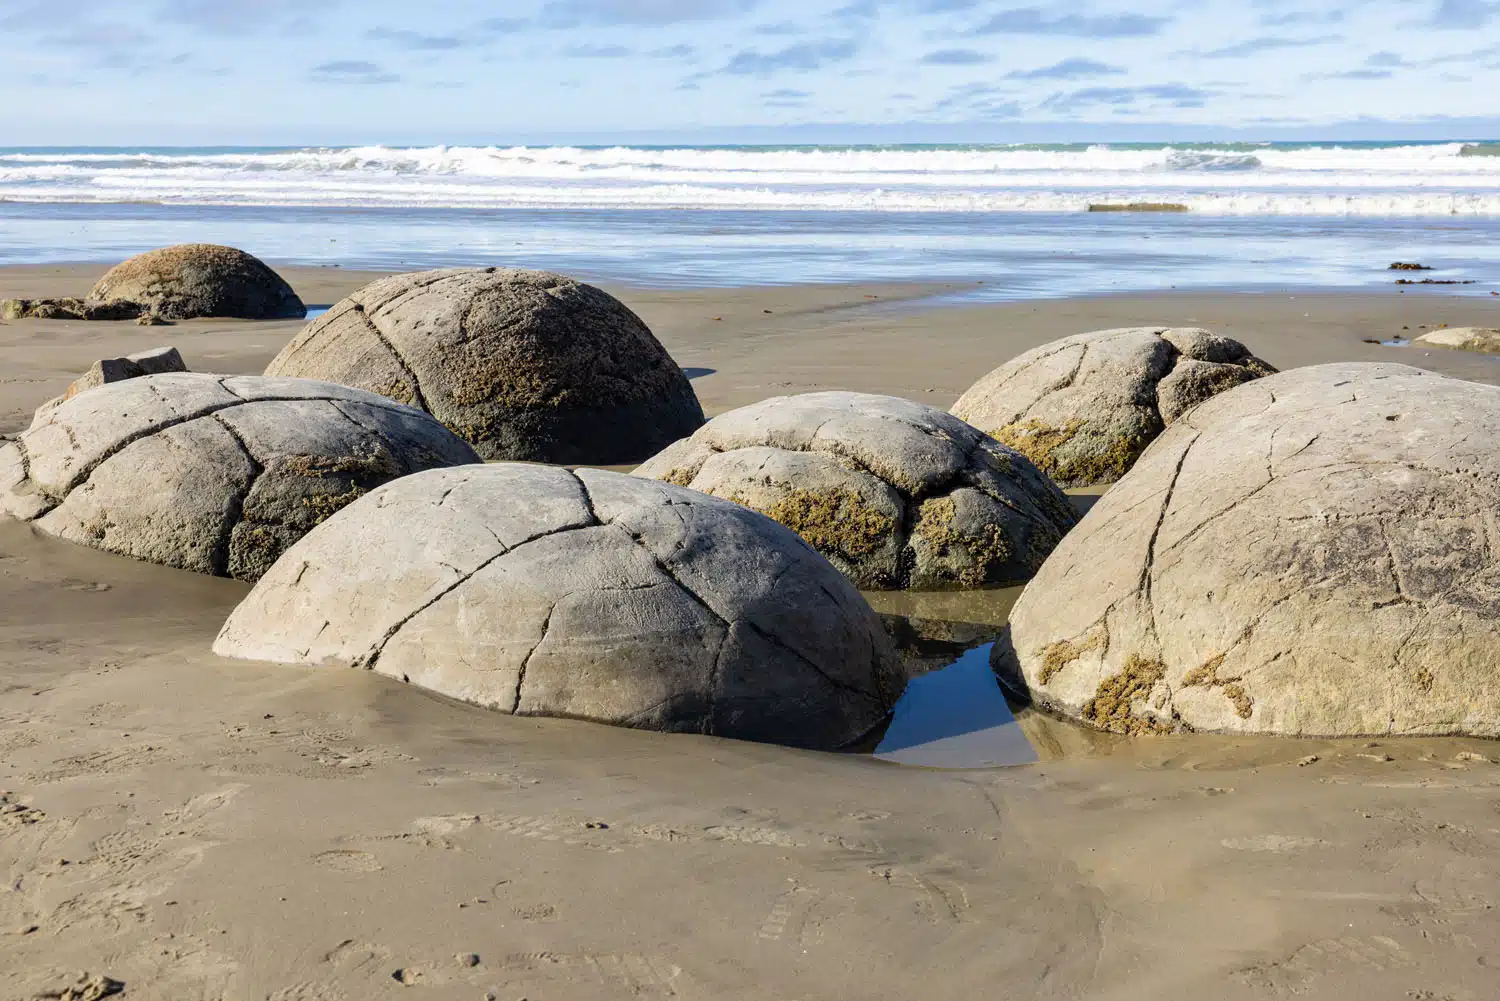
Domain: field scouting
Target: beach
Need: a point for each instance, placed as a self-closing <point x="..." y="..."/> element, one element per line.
<point x="204" y="828"/>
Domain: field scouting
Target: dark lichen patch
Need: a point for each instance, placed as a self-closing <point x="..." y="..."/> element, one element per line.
<point x="1041" y="443"/>
<point x="322" y="466"/>
<point x="397" y="390"/>
<point x="1244" y="706"/>
<point x="1206" y="675"/>
<point x="325" y="506"/>
<point x="980" y="555"/>
<point x="837" y="521"/>
<point x="1112" y="707"/>
<point x="1059" y="655"/>
<point x="681" y="477"/>
<point x="1423" y="679"/>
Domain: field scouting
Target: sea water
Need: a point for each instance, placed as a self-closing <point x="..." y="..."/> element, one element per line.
<point x="1015" y="218"/>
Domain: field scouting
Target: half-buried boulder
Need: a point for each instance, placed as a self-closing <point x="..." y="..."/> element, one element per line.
<point x="592" y="595"/>
<point x="215" y="474"/>
<point x="1485" y="340"/>
<point x="894" y="493"/>
<point x="1313" y="554"/>
<point x="522" y="364"/>
<point x="200" y="279"/>
<point x="1084" y="408"/>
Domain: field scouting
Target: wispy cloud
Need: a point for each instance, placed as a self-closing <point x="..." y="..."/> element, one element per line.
<point x="598" y="52"/>
<point x="1464" y="13"/>
<point x="572" y="13"/>
<point x="357" y="71"/>
<point x="805" y="57"/>
<point x="1177" y="95"/>
<point x="1036" y="21"/>
<point x="1068" y="69"/>
<point x="956" y="57"/>
<point x="1267" y="43"/>
<point x="414" y="40"/>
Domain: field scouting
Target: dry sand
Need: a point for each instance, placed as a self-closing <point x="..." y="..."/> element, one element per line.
<point x="206" y="829"/>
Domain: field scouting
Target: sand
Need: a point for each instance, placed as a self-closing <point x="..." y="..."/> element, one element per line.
<point x="207" y="829"/>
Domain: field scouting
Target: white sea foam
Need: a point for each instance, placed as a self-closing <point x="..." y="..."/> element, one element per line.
<point x="1362" y="180"/>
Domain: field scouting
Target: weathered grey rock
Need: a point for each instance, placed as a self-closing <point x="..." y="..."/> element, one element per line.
<point x="1314" y="553"/>
<point x="1083" y="408"/>
<point x="894" y="493"/>
<point x="70" y="308"/>
<point x="538" y="591"/>
<point x="217" y="474"/>
<point x="1485" y="340"/>
<point x="200" y="279"/>
<point x="522" y="364"/>
<point x="153" y="362"/>
<point x="150" y="362"/>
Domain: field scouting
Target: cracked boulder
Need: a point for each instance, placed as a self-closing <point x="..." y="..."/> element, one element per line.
<point x="200" y="279"/>
<point x="1312" y="554"/>
<point x="524" y="365"/>
<point x="1085" y="407"/>
<point x="894" y="493"/>
<point x="591" y="595"/>
<point x="216" y="474"/>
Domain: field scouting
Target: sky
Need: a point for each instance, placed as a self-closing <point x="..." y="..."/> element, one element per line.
<point x="261" y="72"/>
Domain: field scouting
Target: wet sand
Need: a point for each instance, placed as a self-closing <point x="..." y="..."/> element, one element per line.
<point x="200" y="828"/>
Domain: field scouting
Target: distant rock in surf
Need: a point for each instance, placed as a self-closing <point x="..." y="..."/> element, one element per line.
<point x="1137" y="207"/>
<point x="1405" y="266"/>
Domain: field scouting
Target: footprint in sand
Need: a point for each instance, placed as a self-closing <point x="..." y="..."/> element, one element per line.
<point x="1273" y="843"/>
<point x="348" y="860"/>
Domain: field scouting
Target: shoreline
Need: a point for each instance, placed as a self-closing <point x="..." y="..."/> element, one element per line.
<point x="748" y="343"/>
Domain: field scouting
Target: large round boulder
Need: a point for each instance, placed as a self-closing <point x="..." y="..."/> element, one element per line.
<point x="200" y="279"/>
<point x="216" y="474"/>
<point x="593" y="595"/>
<point x="894" y="493"/>
<point x="1084" y="408"/>
<point x="522" y="364"/>
<point x="1312" y="554"/>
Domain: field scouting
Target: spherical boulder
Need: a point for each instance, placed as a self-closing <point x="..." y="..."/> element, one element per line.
<point x="217" y="474"/>
<point x="200" y="279"/>
<point x="894" y="493"/>
<point x="1083" y="408"/>
<point x="1311" y="554"/>
<point x="522" y="364"/>
<point x="539" y="591"/>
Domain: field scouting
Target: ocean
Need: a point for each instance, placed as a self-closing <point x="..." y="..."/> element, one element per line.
<point x="1012" y="221"/>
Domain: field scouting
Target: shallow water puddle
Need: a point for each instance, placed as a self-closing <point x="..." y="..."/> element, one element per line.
<point x="956" y="717"/>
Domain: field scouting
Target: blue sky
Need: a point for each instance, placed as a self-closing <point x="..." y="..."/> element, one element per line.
<point x="336" y="71"/>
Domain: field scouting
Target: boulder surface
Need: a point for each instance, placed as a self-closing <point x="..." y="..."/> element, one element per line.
<point x="215" y="474"/>
<point x="894" y="493"/>
<point x="1312" y="554"/>
<point x="592" y="595"/>
<point x="200" y="279"/>
<point x="522" y="364"/>
<point x="1083" y="408"/>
